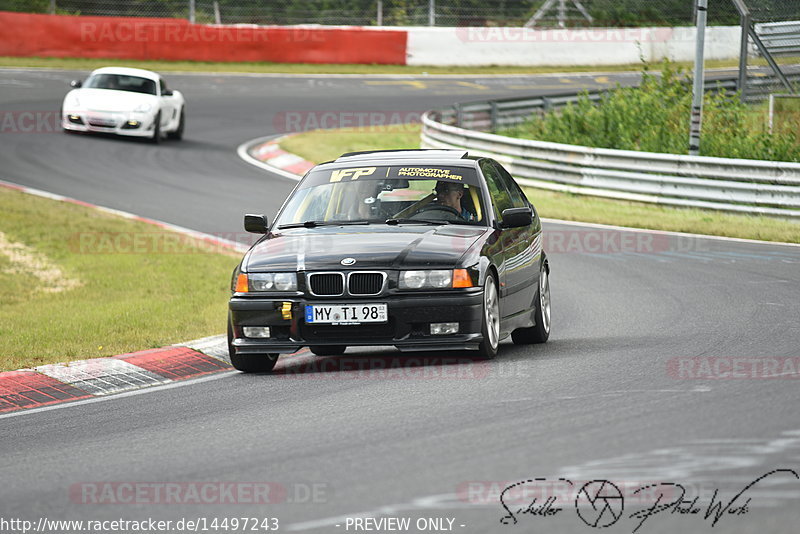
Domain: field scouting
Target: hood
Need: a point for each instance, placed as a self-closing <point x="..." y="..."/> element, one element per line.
<point x="373" y="247"/>
<point x="110" y="100"/>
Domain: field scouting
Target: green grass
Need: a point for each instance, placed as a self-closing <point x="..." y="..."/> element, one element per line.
<point x="309" y="68"/>
<point x="126" y="300"/>
<point x="318" y="146"/>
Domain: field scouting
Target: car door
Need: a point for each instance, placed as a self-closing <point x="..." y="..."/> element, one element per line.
<point x="501" y="200"/>
<point x="522" y="275"/>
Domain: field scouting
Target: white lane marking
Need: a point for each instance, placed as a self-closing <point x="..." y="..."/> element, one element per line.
<point x="243" y="153"/>
<point x="667" y="232"/>
<point x="698" y="389"/>
<point x="238" y="247"/>
<point x="171" y="385"/>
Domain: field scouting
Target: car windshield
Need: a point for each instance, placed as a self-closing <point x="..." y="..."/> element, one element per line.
<point x="121" y="82"/>
<point x="386" y="195"/>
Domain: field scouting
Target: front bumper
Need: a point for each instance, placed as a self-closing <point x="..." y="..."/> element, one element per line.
<point x="408" y="326"/>
<point x="111" y="123"/>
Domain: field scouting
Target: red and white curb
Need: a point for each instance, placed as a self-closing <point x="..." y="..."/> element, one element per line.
<point x="63" y="382"/>
<point x="266" y="153"/>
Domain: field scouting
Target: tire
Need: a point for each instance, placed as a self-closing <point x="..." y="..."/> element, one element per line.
<point x="490" y="326"/>
<point x="156" y="139"/>
<point x="541" y="330"/>
<point x="178" y="134"/>
<point x="249" y="363"/>
<point x="328" y="350"/>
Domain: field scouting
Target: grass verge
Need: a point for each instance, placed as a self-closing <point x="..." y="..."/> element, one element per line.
<point x="77" y="283"/>
<point x="324" y="145"/>
<point x="310" y="68"/>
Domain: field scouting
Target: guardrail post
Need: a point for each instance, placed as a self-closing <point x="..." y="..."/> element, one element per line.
<point x="546" y="105"/>
<point x="459" y="115"/>
<point x="493" y="116"/>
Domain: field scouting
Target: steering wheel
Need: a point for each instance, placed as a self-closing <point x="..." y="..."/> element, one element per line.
<point x="446" y="212"/>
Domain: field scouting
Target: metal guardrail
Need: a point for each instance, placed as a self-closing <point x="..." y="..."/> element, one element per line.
<point x="780" y="38"/>
<point x="736" y="185"/>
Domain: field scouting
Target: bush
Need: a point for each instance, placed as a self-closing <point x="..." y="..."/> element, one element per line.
<point x="654" y="117"/>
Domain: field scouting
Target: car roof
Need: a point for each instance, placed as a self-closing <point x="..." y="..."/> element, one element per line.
<point x="127" y="71"/>
<point x="459" y="158"/>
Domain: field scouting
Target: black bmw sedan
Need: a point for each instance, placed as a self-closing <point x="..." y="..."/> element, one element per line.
<point x="417" y="249"/>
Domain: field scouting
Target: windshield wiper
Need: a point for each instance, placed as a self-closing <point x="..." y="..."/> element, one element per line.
<point x="437" y="222"/>
<point x="313" y="224"/>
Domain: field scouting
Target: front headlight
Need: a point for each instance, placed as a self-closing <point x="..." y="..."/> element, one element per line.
<point x="143" y="108"/>
<point x="437" y="279"/>
<point x="265" y="282"/>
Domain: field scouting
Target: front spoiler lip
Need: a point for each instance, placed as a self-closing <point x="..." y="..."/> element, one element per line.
<point x="450" y="342"/>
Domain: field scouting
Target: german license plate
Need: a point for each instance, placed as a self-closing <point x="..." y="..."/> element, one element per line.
<point x="344" y="314"/>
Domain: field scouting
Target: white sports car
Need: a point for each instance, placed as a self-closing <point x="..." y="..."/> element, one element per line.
<point x="124" y="101"/>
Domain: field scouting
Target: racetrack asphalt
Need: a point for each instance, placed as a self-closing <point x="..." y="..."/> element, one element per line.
<point x="612" y="396"/>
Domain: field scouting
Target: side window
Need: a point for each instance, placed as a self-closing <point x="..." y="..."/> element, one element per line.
<point x="517" y="196"/>
<point x="501" y="200"/>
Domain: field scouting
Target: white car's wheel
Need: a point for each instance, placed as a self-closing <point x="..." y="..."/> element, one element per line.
<point x="156" y="138"/>
<point x="178" y="133"/>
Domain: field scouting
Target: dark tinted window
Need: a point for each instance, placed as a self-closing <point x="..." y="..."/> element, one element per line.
<point x="517" y="196"/>
<point x="497" y="189"/>
<point x="120" y="82"/>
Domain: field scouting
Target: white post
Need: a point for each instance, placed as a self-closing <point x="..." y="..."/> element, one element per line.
<point x="191" y="11"/>
<point x="52" y="9"/>
<point x="380" y="13"/>
<point x="697" y="96"/>
<point x="217" y="16"/>
<point x="431" y="12"/>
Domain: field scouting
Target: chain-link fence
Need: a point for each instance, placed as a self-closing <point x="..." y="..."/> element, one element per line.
<point x="533" y="13"/>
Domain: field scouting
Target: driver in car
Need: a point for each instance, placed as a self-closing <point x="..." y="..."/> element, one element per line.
<point x="447" y="205"/>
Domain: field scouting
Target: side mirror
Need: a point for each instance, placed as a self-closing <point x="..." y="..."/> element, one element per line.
<point x="516" y="217"/>
<point x="76" y="84"/>
<point x="168" y="92"/>
<point x="256" y="224"/>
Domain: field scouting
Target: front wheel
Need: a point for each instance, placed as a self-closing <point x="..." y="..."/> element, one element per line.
<point x="249" y="363"/>
<point x="490" y="328"/>
<point x="539" y="332"/>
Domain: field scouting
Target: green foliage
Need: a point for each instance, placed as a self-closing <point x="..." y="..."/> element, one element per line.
<point x="654" y="117"/>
